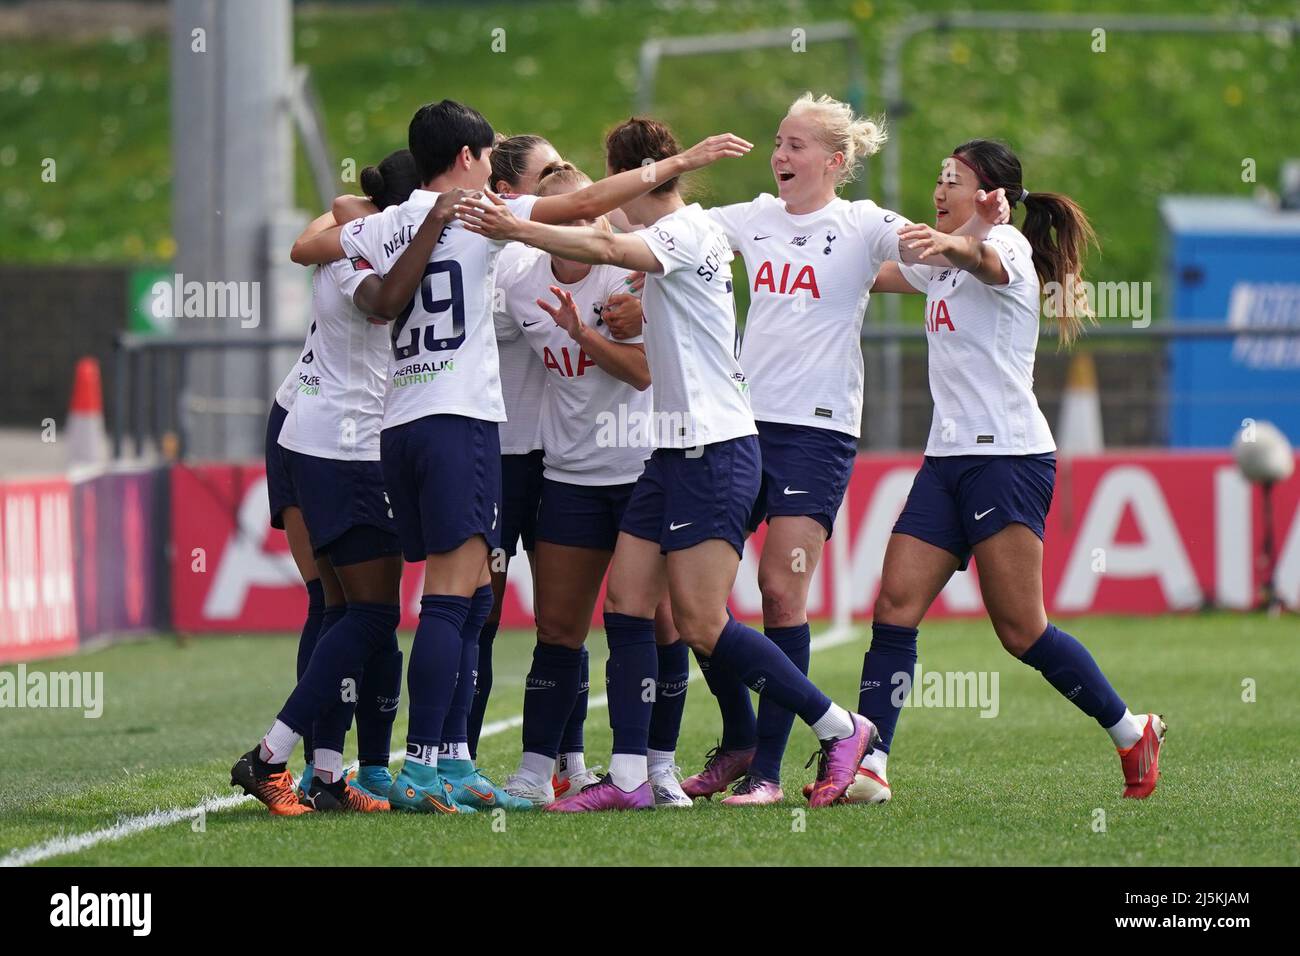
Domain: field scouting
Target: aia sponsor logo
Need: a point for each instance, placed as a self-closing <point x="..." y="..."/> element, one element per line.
<point x="937" y="317"/>
<point x="804" y="281"/>
<point x="569" y="369"/>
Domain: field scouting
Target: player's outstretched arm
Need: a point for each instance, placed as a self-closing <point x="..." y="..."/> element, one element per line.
<point x="613" y="191"/>
<point x="626" y="362"/>
<point x="386" y="298"/>
<point x="312" y="247"/>
<point x="964" y="249"/>
<point x="348" y="207"/>
<point x="318" y="248"/>
<point x="492" y="218"/>
<point x="319" y="243"/>
<point x="890" y="279"/>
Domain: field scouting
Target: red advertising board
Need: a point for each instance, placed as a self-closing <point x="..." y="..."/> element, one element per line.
<point x="38" y="608"/>
<point x="1128" y="533"/>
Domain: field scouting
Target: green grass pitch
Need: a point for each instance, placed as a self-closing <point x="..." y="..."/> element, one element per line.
<point x="1030" y="786"/>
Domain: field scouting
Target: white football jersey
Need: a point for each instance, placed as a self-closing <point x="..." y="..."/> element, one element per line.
<point x="595" y="427"/>
<point x="810" y="277"/>
<point x="701" y="396"/>
<point x="444" y="353"/>
<point x="288" y="390"/>
<point x="523" y="377"/>
<point x="342" y="372"/>
<point x="982" y="340"/>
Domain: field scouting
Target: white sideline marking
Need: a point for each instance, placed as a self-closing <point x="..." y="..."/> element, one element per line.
<point x="129" y="826"/>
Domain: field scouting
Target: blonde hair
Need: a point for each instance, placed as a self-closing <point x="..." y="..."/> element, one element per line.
<point x="559" y="174"/>
<point x="842" y="132"/>
<point x="561" y="177"/>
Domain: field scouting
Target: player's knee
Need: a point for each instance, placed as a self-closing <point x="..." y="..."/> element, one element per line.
<point x="1017" y="636"/>
<point x="620" y="601"/>
<point x="785" y="597"/>
<point x="700" y="629"/>
<point x="893" y="607"/>
<point x="558" y="634"/>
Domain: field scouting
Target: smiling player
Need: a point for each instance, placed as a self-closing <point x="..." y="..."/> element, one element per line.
<point x="554" y="307"/>
<point x="990" y="465"/>
<point x="698" y="489"/>
<point x="811" y="258"/>
<point x="440" y="444"/>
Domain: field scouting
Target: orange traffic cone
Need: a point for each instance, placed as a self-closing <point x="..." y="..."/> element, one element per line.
<point x="1079" y="429"/>
<point x="86" y="439"/>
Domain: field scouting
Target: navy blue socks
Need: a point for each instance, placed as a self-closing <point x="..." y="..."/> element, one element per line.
<point x="1069" y="668"/>
<point x="341" y="653"/>
<point x="549" y="692"/>
<point x="761" y="666"/>
<point x="739" y="730"/>
<point x="888" y="669"/>
<point x="377" y="700"/>
<point x="572" y="740"/>
<point x="456" y="727"/>
<point x="774" y="721"/>
<point x="482" y="685"/>
<point x="433" y="670"/>
<point x="630" y="678"/>
<point x="674" y="665"/>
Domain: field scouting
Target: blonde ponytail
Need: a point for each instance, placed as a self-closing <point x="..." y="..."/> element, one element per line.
<point x="840" y="131"/>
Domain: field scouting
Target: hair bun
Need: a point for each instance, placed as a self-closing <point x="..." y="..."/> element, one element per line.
<point x="372" y="181"/>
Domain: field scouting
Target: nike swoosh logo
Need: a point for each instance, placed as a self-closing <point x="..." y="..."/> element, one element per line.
<point x="529" y="325"/>
<point x="678" y="527"/>
<point x="789" y="492"/>
<point x="485" y="797"/>
<point x="761" y="238"/>
<point x="441" y="807"/>
<point x="980" y="515"/>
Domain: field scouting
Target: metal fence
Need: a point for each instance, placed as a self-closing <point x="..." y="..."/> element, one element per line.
<point x="155" y="413"/>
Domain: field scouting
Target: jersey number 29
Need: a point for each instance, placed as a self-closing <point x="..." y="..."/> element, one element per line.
<point x="431" y="309"/>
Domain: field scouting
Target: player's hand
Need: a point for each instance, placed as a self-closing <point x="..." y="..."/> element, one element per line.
<point x="565" y="314"/>
<point x="622" y="313"/>
<point x="925" y="241"/>
<point x="993" y="207"/>
<point x="714" y="148"/>
<point x="445" y="207"/>
<point x="489" y="216"/>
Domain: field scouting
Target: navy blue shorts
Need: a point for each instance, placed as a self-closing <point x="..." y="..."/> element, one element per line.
<point x="338" y="500"/>
<point x="279" y="490"/>
<point x="805" y="472"/>
<point x="956" y="502"/>
<point x="521" y="493"/>
<point x="582" y="516"/>
<point x="686" y="496"/>
<point x="443" y="474"/>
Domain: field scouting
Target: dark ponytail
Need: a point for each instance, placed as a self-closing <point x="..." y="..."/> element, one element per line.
<point x="392" y="181"/>
<point x="1055" y="226"/>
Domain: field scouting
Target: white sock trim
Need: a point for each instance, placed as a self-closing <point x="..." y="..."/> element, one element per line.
<point x="834" y="724"/>
<point x="1128" y="730"/>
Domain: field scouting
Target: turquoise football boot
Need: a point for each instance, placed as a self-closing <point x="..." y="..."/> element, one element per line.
<point x="421" y="789"/>
<point x="472" y="787"/>
<point x="305" y="780"/>
<point x="374" y="780"/>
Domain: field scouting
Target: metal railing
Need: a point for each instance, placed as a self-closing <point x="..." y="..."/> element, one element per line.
<point x="153" y="411"/>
